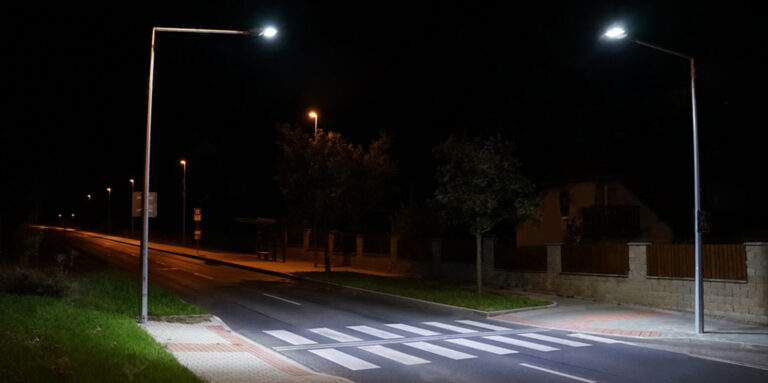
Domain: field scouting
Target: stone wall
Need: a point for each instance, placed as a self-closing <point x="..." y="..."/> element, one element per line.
<point x="739" y="300"/>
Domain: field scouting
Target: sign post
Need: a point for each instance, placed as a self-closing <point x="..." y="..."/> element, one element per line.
<point x="198" y="232"/>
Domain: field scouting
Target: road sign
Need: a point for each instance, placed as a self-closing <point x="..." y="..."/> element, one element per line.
<point x="198" y="234"/>
<point x="704" y="221"/>
<point x="136" y="210"/>
<point x="198" y="214"/>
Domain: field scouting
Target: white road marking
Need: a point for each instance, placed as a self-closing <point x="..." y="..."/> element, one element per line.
<point x="282" y="299"/>
<point x="290" y="337"/>
<point x="439" y="350"/>
<point x="375" y="332"/>
<point x="343" y="359"/>
<point x="335" y="335"/>
<point x="395" y="355"/>
<point x="552" y="339"/>
<point x="204" y="276"/>
<point x="521" y="343"/>
<point x="484" y="325"/>
<point x="557" y="373"/>
<point x="482" y="346"/>
<point x="412" y="329"/>
<point x="450" y="327"/>
<point x="595" y="338"/>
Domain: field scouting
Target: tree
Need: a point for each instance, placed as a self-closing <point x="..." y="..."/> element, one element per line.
<point x="480" y="184"/>
<point x="330" y="183"/>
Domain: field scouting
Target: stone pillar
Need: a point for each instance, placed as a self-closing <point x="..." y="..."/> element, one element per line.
<point x="393" y="240"/>
<point x="436" y="250"/>
<point x="757" y="282"/>
<point x="305" y="240"/>
<point x="359" y="245"/>
<point x="757" y="261"/>
<point x="638" y="264"/>
<point x="554" y="262"/>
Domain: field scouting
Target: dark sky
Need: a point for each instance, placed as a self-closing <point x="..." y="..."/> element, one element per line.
<point x="578" y="106"/>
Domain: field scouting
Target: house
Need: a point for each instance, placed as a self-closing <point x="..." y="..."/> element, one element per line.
<point x="591" y="212"/>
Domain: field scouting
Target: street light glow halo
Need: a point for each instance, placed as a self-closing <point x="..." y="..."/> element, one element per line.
<point x="616" y="33"/>
<point x="312" y="114"/>
<point x="269" y="32"/>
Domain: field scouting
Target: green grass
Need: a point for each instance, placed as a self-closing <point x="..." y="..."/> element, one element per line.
<point x="88" y="336"/>
<point x="427" y="290"/>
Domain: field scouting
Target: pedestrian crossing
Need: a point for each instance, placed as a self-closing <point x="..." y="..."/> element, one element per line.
<point x="421" y="343"/>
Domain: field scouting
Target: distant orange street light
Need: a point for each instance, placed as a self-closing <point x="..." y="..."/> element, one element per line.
<point x="313" y="114"/>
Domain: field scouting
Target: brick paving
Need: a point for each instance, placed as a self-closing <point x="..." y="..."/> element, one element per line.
<point x="216" y="354"/>
<point x="582" y="323"/>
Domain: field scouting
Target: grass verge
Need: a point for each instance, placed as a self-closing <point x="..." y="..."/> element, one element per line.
<point x="90" y="335"/>
<point x="427" y="290"/>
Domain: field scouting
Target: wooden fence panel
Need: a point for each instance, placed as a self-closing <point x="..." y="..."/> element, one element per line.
<point x="522" y="258"/>
<point x="728" y="262"/>
<point x="596" y="259"/>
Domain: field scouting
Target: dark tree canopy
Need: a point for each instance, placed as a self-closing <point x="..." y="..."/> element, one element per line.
<point x="480" y="183"/>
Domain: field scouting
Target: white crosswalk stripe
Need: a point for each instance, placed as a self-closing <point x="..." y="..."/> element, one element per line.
<point x="483" y="325"/>
<point x="481" y="346"/>
<point x="335" y="335"/>
<point x="375" y="332"/>
<point x="552" y="339"/>
<point x="395" y="355"/>
<point x="595" y="338"/>
<point x="450" y="327"/>
<point x="290" y="337"/>
<point x="343" y="359"/>
<point x="439" y="350"/>
<point x="521" y="343"/>
<point x="331" y="344"/>
<point x="412" y="329"/>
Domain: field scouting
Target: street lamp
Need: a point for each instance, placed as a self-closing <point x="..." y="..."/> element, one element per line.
<point x="268" y="33"/>
<point x="183" y="201"/>
<point x="109" y="209"/>
<point x="132" y="181"/>
<point x="314" y="115"/>
<point x="617" y="33"/>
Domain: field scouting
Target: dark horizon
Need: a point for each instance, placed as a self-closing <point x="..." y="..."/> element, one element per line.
<point x="578" y="107"/>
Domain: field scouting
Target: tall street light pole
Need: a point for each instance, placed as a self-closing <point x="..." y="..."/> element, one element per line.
<point x="109" y="210"/>
<point x="184" y="201"/>
<point x="619" y="33"/>
<point x="133" y="182"/>
<point x="265" y="32"/>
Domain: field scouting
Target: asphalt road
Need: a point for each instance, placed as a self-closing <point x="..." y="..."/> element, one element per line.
<point x="372" y="339"/>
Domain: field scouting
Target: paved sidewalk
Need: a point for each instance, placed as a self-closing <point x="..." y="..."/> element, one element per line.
<point x="635" y="321"/>
<point x="217" y="354"/>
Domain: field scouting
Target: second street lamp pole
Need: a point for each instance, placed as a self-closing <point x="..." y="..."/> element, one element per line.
<point x="266" y="32"/>
<point x="619" y="33"/>
<point x="131" y="215"/>
<point x="184" y="202"/>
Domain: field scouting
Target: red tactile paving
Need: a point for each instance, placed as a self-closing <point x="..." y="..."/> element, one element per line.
<point x="582" y="322"/>
<point x="238" y="344"/>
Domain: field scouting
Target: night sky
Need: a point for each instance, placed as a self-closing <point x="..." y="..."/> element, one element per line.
<point x="579" y="107"/>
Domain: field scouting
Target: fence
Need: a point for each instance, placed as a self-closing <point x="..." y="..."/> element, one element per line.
<point x="595" y="259"/>
<point x="726" y="262"/>
<point x="523" y="258"/>
<point x="418" y="249"/>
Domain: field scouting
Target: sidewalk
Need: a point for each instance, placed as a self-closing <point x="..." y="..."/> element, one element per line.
<point x="215" y="353"/>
